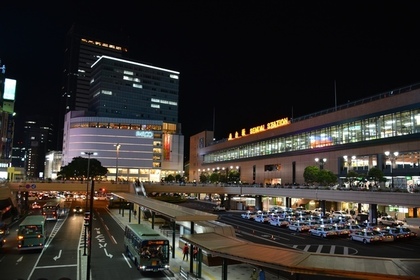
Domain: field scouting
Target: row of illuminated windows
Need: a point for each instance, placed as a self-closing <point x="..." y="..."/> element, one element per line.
<point x="149" y="127"/>
<point x="379" y="127"/>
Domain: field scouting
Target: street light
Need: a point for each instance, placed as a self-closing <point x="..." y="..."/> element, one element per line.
<point x="321" y="162"/>
<point x="392" y="157"/>
<point x="87" y="183"/>
<point x="118" y="146"/>
<point x="349" y="162"/>
<point x="87" y="191"/>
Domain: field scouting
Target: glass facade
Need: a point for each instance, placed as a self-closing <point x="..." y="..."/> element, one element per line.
<point x="366" y="129"/>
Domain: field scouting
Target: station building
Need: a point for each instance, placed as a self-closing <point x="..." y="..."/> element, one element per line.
<point x="380" y="131"/>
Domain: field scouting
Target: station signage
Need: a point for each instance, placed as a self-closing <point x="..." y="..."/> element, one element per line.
<point x="260" y="128"/>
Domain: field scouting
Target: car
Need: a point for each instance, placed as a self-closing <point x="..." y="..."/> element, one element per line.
<point x="386" y="236"/>
<point x="262" y="218"/>
<point x="408" y="233"/>
<point x="353" y="227"/>
<point x="324" y="231"/>
<point x="4" y="230"/>
<point x="299" y="226"/>
<point x="77" y="210"/>
<point x="340" y="214"/>
<point x="250" y="215"/>
<point x="341" y="230"/>
<point x="36" y="205"/>
<point x="389" y="221"/>
<point x="365" y="236"/>
<point x="398" y="235"/>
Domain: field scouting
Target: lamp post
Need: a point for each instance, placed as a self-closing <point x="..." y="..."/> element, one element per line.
<point x="392" y="157"/>
<point x="117" y="146"/>
<point x="87" y="191"/>
<point x="88" y="167"/>
<point x="321" y="162"/>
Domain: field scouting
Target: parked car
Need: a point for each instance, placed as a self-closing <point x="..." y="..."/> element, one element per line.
<point x="323" y="231"/>
<point x="353" y="227"/>
<point x="386" y="236"/>
<point x="249" y="215"/>
<point x="341" y="230"/>
<point x="365" y="236"/>
<point x="389" y="221"/>
<point x="398" y="235"/>
<point x="408" y="233"/>
<point x="299" y="226"/>
<point x="262" y="218"/>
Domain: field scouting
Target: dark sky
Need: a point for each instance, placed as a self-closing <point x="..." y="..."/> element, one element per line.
<point x="249" y="62"/>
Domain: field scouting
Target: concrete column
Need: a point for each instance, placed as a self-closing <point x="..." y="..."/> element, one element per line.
<point x="373" y="214"/>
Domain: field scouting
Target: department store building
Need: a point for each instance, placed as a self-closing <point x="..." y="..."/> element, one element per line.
<point x="379" y="131"/>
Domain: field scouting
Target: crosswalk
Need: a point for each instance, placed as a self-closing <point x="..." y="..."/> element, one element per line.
<point x="326" y="249"/>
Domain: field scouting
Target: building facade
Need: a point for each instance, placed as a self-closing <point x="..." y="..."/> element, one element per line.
<point x="144" y="150"/>
<point x="83" y="47"/>
<point x="380" y="131"/>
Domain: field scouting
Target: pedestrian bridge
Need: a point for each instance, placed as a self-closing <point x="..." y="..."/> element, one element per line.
<point x="400" y="198"/>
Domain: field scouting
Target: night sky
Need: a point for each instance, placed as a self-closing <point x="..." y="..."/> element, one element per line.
<point x="242" y="63"/>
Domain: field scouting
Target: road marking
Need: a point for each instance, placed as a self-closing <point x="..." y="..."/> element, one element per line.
<point x="57" y="257"/>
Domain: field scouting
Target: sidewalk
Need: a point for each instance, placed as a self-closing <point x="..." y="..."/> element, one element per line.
<point x="234" y="272"/>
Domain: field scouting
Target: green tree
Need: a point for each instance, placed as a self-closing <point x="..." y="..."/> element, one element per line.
<point x="376" y="175"/>
<point x="78" y="168"/>
<point x="326" y="177"/>
<point x="170" y="178"/>
<point x="178" y="178"/>
<point x="214" y="177"/>
<point x="203" y="177"/>
<point x="310" y="174"/>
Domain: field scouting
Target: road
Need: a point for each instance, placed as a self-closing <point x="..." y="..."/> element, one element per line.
<point x="62" y="256"/>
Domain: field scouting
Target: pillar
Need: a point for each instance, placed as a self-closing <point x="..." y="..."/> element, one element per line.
<point x="373" y="214"/>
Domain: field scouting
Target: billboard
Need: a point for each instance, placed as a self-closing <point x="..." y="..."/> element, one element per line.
<point x="9" y="89"/>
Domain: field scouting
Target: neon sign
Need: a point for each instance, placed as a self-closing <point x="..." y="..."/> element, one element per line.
<point x="261" y="128"/>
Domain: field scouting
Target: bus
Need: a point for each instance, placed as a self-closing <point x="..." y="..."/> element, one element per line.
<point x="147" y="249"/>
<point x="51" y="210"/>
<point x="31" y="233"/>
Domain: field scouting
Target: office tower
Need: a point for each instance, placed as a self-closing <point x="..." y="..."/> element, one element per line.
<point x="38" y="141"/>
<point x="127" y="89"/>
<point x="83" y="47"/>
<point x="132" y="122"/>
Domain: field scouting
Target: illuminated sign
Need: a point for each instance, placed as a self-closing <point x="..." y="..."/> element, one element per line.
<point x="261" y="128"/>
<point x="9" y="89"/>
<point x="155" y="242"/>
<point x="144" y="134"/>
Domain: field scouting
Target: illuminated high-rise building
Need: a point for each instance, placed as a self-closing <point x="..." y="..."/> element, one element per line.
<point x="83" y="47"/>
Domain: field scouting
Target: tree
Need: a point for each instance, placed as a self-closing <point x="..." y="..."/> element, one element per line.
<point x="214" y="177"/>
<point x="170" y="178"/>
<point x="203" y="177"/>
<point x="376" y="174"/>
<point x="78" y="169"/>
<point x="311" y="174"/>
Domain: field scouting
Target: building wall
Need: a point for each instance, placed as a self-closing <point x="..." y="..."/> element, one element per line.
<point x="139" y="156"/>
<point x="290" y="165"/>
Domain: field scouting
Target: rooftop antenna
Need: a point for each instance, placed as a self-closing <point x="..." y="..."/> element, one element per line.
<point x="335" y="94"/>
<point x="214" y="121"/>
